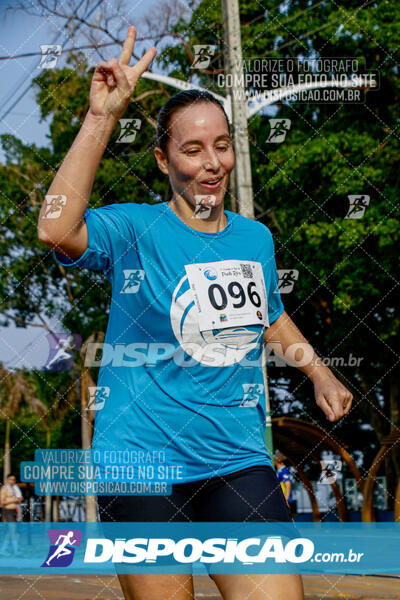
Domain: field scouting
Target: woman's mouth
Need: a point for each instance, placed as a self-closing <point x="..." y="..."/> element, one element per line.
<point x="213" y="184"/>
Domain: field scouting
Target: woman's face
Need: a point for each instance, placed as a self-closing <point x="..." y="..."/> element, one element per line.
<point x="200" y="154"/>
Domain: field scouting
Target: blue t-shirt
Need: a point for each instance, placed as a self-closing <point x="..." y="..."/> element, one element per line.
<point x="284" y="475"/>
<point x="167" y="392"/>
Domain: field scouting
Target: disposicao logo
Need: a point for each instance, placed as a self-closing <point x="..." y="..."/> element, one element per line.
<point x="189" y="550"/>
<point x="62" y="547"/>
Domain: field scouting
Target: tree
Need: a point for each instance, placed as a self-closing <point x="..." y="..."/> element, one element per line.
<point x="17" y="390"/>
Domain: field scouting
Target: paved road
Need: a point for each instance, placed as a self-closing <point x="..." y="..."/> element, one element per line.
<point x="63" y="587"/>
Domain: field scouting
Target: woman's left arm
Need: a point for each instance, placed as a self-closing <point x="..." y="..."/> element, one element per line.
<point x="287" y="341"/>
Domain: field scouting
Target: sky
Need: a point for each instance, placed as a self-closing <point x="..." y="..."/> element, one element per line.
<point x="21" y="33"/>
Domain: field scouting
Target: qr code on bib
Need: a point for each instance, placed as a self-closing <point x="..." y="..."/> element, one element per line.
<point x="246" y="271"/>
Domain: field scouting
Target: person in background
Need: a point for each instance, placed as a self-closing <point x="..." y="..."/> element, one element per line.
<point x="10" y="499"/>
<point x="285" y="479"/>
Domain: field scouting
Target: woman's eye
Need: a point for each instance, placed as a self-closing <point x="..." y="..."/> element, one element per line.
<point x="191" y="151"/>
<point x="222" y="148"/>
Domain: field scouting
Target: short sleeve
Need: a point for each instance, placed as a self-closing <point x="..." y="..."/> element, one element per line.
<point x="109" y="235"/>
<point x="275" y="304"/>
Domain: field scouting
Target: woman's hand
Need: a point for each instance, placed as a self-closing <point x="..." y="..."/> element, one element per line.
<point x="114" y="81"/>
<point x="333" y="398"/>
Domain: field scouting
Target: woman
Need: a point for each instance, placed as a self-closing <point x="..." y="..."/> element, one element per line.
<point x="194" y="296"/>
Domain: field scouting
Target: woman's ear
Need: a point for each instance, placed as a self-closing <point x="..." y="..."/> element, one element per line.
<point x="161" y="159"/>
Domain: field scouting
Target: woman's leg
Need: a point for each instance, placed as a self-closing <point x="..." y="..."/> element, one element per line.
<point x="260" y="587"/>
<point x="253" y="494"/>
<point x="173" y="508"/>
<point x="157" y="586"/>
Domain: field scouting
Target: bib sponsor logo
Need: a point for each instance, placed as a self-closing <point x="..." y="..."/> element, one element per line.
<point x="210" y="274"/>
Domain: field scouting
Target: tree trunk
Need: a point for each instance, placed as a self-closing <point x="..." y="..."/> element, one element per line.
<point x="47" y="501"/>
<point x="47" y="508"/>
<point x="48" y="437"/>
<point x="393" y="473"/>
<point x="56" y="513"/>
<point x="7" y="455"/>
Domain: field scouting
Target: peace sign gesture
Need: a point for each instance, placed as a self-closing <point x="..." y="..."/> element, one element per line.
<point x="114" y="81"/>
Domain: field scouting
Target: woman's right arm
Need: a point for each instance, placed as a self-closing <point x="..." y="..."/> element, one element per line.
<point x="74" y="179"/>
<point x="112" y="86"/>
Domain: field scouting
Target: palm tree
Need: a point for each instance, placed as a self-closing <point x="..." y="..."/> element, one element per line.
<point x="19" y="388"/>
<point x="16" y="389"/>
<point x="55" y="412"/>
<point x="23" y="388"/>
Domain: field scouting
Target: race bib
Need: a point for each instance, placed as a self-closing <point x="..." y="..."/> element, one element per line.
<point x="228" y="293"/>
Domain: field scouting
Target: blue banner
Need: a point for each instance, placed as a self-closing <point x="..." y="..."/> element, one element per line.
<point x="213" y="547"/>
<point x="76" y="472"/>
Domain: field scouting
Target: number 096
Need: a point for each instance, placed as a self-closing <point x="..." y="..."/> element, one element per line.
<point x="236" y="291"/>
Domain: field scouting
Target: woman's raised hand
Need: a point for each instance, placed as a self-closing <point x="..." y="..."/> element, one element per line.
<point x="114" y="81"/>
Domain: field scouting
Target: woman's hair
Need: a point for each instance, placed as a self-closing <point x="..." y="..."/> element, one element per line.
<point x="180" y="100"/>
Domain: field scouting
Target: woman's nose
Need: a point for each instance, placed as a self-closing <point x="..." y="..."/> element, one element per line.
<point x="211" y="161"/>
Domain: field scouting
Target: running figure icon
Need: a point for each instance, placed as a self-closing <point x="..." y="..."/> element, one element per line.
<point x="62" y="549"/>
<point x="62" y="352"/>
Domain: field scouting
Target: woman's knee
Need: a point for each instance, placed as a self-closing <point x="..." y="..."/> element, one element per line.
<point x="259" y="586"/>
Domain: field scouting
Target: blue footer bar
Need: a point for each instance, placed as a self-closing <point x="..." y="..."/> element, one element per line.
<point x="213" y="547"/>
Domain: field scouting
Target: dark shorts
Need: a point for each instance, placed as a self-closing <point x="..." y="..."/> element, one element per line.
<point x="10" y="515"/>
<point x="252" y="494"/>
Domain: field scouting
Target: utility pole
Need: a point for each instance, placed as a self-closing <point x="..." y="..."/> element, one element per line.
<point x="242" y="184"/>
<point x="235" y="89"/>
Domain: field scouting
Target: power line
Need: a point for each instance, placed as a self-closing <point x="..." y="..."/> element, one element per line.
<point x="14" y="104"/>
<point x="23" y="78"/>
<point x="62" y="50"/>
